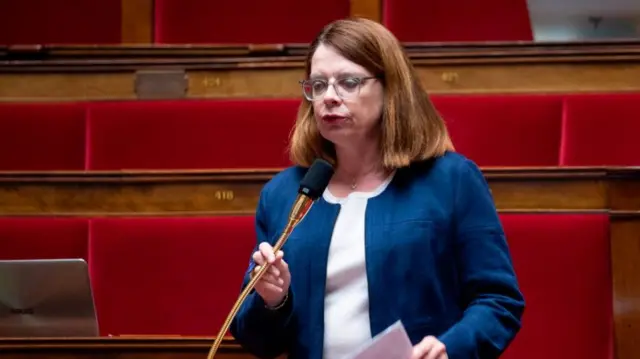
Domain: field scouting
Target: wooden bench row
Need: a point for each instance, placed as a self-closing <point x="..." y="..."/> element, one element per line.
<point x="183" y="71"/>
<point x="224" y="192"/>
<point x="612" y="191"/>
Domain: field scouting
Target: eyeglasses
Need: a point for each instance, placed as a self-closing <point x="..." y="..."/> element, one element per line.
<point x="345" y="88"/>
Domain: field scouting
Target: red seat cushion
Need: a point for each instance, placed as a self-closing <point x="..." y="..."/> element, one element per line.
<point x="168" y="275"/>
<point x="60" y="22"/>
<point x="457" y="20"/>
<point x="43" y="238"/>
<point x="249" y="21"/>
<point x="601" y="130"/>
<point x="190" y="134"/>
<point x="504" y="130"/>
<point x="42" y="136"/>
<point x="564" y="269"/>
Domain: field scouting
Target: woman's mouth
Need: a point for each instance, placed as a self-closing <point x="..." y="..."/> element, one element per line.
<point x="333" y="119"/>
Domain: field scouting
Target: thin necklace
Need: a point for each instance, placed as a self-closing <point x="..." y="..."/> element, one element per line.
<point x="354" y="183"/>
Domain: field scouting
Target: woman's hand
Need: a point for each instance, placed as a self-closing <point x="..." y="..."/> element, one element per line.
<point x="274" y="284"/>
<point x="429" y="348"/>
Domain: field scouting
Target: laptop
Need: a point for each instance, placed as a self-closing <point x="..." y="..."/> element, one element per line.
<point x="46" y="298"/>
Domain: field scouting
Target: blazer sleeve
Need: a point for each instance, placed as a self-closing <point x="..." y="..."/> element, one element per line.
<point x="263" y="332"/>
<point x="493" y="302"/>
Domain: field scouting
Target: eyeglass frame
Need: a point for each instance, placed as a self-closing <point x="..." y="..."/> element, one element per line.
<point x="361" y="81"/>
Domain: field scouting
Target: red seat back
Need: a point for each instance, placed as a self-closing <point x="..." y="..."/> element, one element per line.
<point x="504" y="130"/>
<point x="168" y="275"/>
<point x="60" y="22"/>
<point x="43" y="238"/>
<point x="458" y="20"/>
<point x="564" y="269"/>
<point x="42" y="136"/>
<point x="601" y="130"/>
<point x="190" y="134"/>
<point x="246" y="22"/>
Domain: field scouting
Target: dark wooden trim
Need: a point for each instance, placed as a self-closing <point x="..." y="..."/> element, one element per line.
<point x="138" y="176"/>
<point x="221" y="61"/>
<point x="136" y="21"/>
<point x="491" y="173"/>
<point x="249" y="212"/>
<point x="129" y="347"/>
<point x="276" y="56"/>
<point x="114" y="343"/>
<point x="219" y="213"/>
<point x="630" y="46"/>
<point x="276" y="63"/>
<point x="625" y="215"/>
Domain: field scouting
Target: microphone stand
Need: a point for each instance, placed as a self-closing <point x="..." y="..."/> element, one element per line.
<point x="299" y="210"/>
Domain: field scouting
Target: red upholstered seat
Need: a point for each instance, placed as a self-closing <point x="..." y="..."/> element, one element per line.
<point x="168" y="275"/>
<point x="60" y="22"/>
<point x="248" y="21"/>
<point x="601" y="130"/>
<point x="457" y="20"/>
<point x="564" y="268"/>
<point x="190" y="134"/>
<point x="504" y="130"/>
<point x="43" y="238"/>
<point x="42" y="136"/>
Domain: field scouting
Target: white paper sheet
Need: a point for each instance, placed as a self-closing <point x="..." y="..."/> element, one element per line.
<point x="392" y="343"/>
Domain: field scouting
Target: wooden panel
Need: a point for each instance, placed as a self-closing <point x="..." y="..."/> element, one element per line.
<point x="554" y="194"/>
<point x="60" y="87"/>
<point x="283" y="82"/>
<point x="118" y="347"/>
<point x="137" y="21"/>
<point x="275" y="83"/>
<point x="624" y="193"/>
<point x="625" y="256"/>
<point x="369" y="9"/>
<point x="219" y="192"/>
<point x="186" y="193"/>
<point x="552" y="77"/>
<point x="71" y="73"/>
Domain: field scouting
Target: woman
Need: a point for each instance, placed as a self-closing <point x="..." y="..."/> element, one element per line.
<point x="406" y="230"/>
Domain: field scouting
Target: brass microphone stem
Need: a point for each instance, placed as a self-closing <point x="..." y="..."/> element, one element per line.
<point x="299" y="210"/>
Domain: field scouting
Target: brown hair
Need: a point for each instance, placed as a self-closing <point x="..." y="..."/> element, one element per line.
<point x="412" y="129"/>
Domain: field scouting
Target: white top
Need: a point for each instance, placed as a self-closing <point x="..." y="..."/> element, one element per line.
<point x="346" y="303"/>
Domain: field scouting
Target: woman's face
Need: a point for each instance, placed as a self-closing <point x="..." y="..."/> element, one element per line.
<point x="347" y="103"/>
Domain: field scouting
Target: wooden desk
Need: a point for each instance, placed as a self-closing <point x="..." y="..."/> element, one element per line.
<point x="60" y="73"/>
<point x="120" y="348"/>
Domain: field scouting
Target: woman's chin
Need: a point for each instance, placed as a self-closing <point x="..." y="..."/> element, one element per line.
<point x="336" y="133"/>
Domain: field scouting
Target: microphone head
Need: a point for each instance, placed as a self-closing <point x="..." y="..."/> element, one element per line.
<point x="317" y="179"/>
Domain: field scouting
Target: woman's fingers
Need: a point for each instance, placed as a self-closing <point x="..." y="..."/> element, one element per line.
<point x="258" y="258"/>
<point x="270" y="277"/>
<point x="262" y="256"/>
<point x="267" y="252"/>
<point x="268" y="288"/>
<point x="274" y="283"/>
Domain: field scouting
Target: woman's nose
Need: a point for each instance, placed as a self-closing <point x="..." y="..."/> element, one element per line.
<point x="331" y="96"/>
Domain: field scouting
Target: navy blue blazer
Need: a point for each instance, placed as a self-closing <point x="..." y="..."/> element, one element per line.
<point x="436" y="258"/>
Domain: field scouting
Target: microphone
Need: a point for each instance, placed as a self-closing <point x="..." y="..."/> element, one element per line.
<point x="311" y="188"/>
